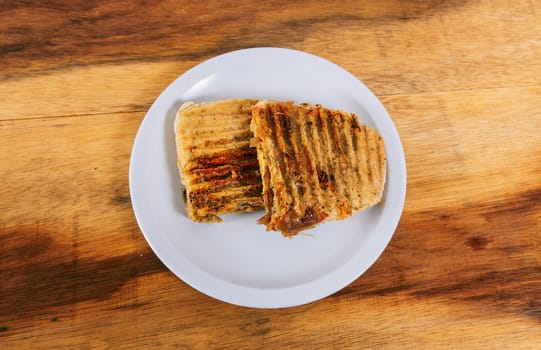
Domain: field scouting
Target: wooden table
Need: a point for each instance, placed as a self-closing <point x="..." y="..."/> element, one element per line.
<point x="461" y="80"/>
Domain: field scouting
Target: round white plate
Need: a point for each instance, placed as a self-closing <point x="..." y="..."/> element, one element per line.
<point x="237" y="261"/>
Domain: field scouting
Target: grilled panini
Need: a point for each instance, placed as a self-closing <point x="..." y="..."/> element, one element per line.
<point x="218" y="168"/>
<point x="316" y="164"/>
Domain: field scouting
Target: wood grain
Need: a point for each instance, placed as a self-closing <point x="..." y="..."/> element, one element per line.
<point x="461" y="80"/>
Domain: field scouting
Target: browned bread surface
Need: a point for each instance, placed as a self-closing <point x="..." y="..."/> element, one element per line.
<point x="316" y="164"/>
<point x="218" y="168"/>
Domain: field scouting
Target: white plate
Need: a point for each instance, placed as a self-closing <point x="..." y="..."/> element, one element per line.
<point x="237" y="261"/>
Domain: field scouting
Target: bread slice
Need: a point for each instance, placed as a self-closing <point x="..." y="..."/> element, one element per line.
<point x="218" y="168"/>
<point x="316" y="164"/>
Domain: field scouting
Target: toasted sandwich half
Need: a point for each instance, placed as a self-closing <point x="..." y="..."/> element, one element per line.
<point x="316" y="164"/>
<point x="218" y="168"/>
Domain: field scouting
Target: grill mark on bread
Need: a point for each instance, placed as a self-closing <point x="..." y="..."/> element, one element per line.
<point x="242" y="188"/>
<point x="367" y="150"/>
<point x="307" y="152"/>
<point x="287" y="149"/>
<point x="379" y="151"/>
<point x="351" y="163"/>
<point x="214" y="126"/>
<point x="235" y="157"/>
<point x="351" y="159"/>
<point x="354" y="128"/>
<point x="216" y="129"/>
<point x="281" y="155"/>
<point x="338" y="119"/>
<point x="202" y="200"/>
<point x="225" y="185"/>
<point x="375" y="152"/>
<point x="203" y="148"/>
<point x="331" y="151"/>
<point x="369" y="172"/>
<point x="337" y="161"/>
<point x="243" y="168"/>
<point x="226" y="140"/>
<point x="320" y="166"/>
<point x="333" y="200"/>
<point x="354" y="144"/>
<point x="311" y="140"/>
<point x="232" y="177"/>
<point x="325" y="175"/>
<point x="361" y="158"/>
<point x="299" y="173"/>
<point x="213" y="142"/>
